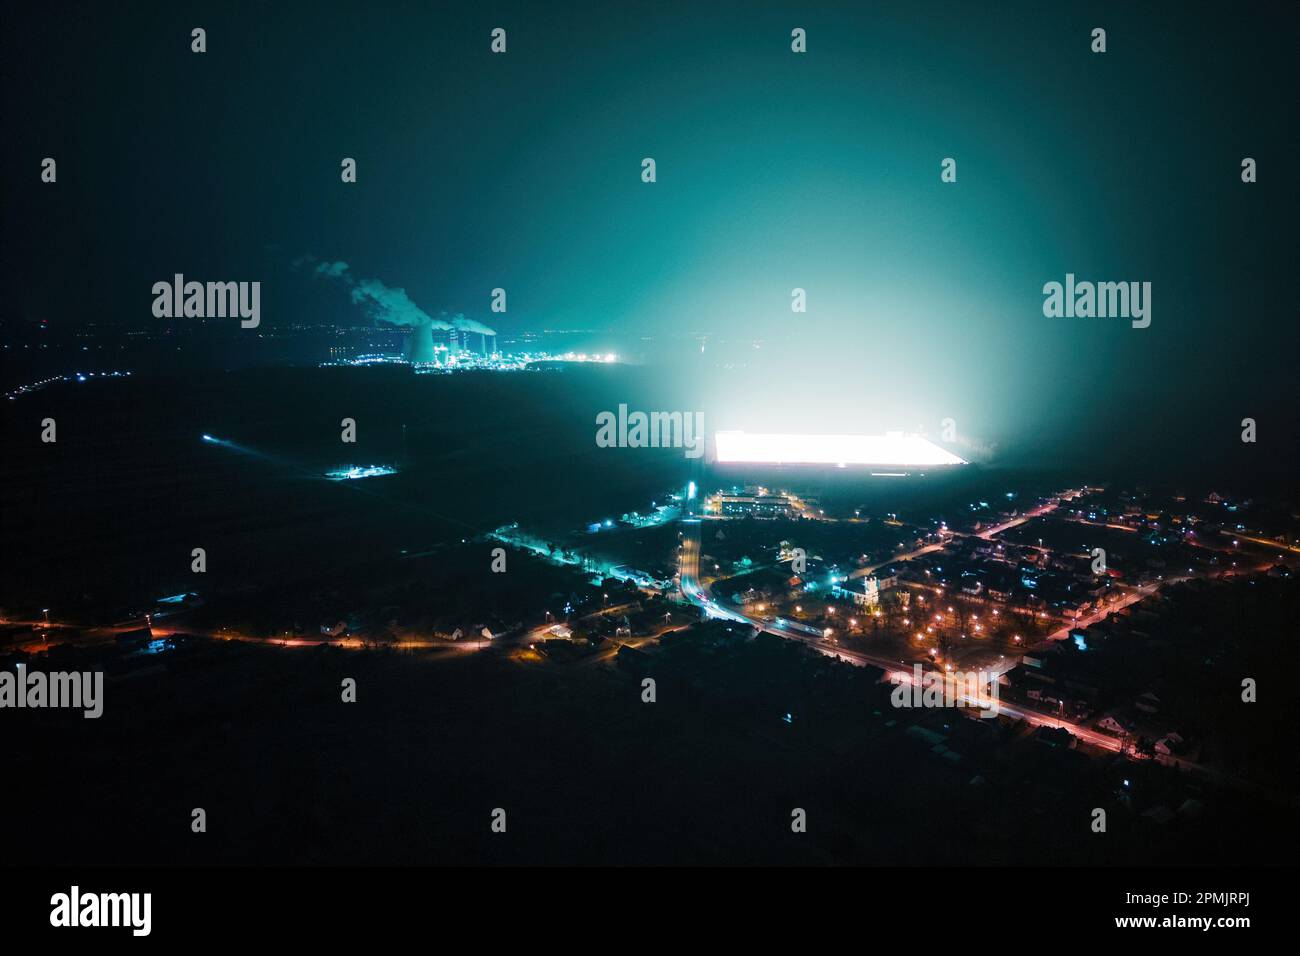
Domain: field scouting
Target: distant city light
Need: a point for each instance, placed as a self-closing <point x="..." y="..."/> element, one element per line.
<point x="894" y="449"/>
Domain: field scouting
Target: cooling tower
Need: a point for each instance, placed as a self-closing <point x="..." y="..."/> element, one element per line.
<point x="419" y="348"/>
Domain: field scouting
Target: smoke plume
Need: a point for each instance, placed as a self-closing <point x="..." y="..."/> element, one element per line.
<point x="385" y="303"/>
<point x="469" y="325"/>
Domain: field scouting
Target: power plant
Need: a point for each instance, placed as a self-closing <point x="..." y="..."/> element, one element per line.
<point x="419" y="347"/>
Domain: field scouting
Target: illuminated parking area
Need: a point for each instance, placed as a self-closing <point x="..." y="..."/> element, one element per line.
<point x="893" y="449"/>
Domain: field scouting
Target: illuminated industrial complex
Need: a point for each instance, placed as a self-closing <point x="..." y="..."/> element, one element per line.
<point x="891" y="450"/>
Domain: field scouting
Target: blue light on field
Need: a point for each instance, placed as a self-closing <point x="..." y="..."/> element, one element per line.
<point x="354" y="472"/>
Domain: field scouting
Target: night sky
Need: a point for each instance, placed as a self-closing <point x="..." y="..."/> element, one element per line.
<point x="775" y="171"/>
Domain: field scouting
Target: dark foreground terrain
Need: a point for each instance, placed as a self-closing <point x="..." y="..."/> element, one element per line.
<point x="743" y="731"/>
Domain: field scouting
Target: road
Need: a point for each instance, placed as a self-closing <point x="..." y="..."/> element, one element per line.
<point x="689" y="575"/>
<point x="1132" y="597"/>
<point x="1047" y="506"/>
<point x="987" y="534"/>
<point x="873" y="568"/>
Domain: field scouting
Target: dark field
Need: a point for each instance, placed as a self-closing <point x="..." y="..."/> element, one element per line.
<point x="586" y="772"/>
<point x="111" y="512"/>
